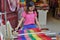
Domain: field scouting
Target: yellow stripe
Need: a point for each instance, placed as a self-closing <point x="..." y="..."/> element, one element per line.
<point x="34" y="0"/>
<point x="35" y="35"/>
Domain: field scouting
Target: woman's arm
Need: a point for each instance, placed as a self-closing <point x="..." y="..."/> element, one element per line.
<point x="37" y="22"/>
<point x="20" y="22"/>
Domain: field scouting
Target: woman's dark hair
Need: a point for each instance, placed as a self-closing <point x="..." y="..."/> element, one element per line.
<point x="30" y="4"/>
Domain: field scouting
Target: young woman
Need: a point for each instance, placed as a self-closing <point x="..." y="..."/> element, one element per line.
<point x="29" y="18"/>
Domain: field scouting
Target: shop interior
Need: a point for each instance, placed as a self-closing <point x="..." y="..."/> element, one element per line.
<point x="48" y="15"/>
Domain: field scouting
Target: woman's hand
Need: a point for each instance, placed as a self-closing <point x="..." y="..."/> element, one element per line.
<point x="39" y="27"/>
<point x="38" y="24"/>
<point x="20" y="22"/>
<point x="16" y="29"/>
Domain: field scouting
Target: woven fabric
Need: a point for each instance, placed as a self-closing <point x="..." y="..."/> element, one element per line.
<point x="40" y="36"/>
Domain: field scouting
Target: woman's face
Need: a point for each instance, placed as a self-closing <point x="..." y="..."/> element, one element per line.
<point x="32" y="8"/>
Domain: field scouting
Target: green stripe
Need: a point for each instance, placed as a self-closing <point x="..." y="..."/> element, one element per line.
<point x="30" y="35"/>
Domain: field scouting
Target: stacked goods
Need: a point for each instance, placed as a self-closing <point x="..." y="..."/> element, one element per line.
<point x="34" y="0"/>
<point x="22" y="3"/>
<point x="35" y="35"/>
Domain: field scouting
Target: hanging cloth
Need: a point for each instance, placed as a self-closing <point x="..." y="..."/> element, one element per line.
<point x="13" y="4"/>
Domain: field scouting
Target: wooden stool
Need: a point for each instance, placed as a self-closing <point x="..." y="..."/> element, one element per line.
<point x="45" y="29"/>
<point x="58" y="37"/>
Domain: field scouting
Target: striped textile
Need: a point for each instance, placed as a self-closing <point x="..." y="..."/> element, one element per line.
<point x="40" y="36"/>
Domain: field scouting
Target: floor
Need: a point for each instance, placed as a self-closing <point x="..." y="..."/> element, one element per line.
<point x="53" y="24"/>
